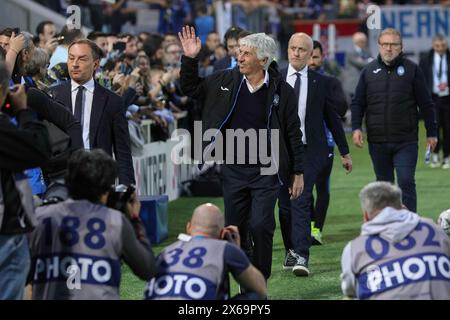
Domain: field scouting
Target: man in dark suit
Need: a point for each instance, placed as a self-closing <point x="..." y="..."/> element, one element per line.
<point x="231" y="44"/>
<point x="320" y="206"/>
<point x="315" y="108"/>
<point x="435" y="66"/>
<point x="100" y="112"/>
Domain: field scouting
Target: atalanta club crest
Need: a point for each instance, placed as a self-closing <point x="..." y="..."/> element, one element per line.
<point x="400" y="71"/>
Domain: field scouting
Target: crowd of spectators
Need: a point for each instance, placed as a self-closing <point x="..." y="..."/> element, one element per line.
<point x="268" y="16"/>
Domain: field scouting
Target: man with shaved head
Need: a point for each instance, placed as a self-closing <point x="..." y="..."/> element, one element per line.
<point x="316" y="108"/>
<point x="196" y="267"/>
<point x="357" y="59"/>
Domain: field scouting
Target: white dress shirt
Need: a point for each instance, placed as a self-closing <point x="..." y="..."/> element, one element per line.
<point x="291" y="77"/>
<point x="265" y="82"/>
<point x="88" y="96"/>
<point x="436" y="81"/>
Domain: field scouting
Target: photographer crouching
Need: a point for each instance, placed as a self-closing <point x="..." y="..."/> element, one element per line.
<point x="196" y="267"/>
<point x="21" y="147"/>
<point x="78" y="244"/>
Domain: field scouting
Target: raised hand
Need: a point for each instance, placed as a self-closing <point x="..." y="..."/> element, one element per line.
<point x="190" y="43"/>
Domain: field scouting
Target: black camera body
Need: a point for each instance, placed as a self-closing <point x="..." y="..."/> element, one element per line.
<point x="7" y="106"/>
<point x="119" y="196"/>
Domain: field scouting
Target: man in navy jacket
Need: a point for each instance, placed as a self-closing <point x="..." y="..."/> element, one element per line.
<point x="316" y="109"/>
<point x="389" y="90"/>
<point x="250" y="97"/>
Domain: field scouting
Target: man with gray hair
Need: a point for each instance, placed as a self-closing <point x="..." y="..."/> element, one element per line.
<point x="250" y="100"/>
<point x="23" y="58"/>
<point x="399" y="255"/>
<point x="390" y="92"/>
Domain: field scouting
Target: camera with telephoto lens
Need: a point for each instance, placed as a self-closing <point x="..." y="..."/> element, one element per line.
<point x="119" y="196"/>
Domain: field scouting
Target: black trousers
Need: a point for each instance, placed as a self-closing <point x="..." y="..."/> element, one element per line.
<point x="319" y="207"/>
<point x="249" y="204"/>
<point x="443" y="120"/>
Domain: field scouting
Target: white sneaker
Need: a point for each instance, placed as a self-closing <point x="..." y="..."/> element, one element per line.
<point x="446" y="164"/>
<point x="435" y="163"/>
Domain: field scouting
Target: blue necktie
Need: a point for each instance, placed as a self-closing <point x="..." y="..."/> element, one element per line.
<point x="78" y="113"/>
<point x="298" y="83"/>
<point x="439" y="75"/>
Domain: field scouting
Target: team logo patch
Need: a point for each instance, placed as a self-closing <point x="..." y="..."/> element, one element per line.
<point x="276" y="100"/>
<point x="400" y="71"/>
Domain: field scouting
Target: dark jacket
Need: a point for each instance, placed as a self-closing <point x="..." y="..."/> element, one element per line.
<point x="338" y="95"/>
<point x="388" y="96"/>
<point x="320" y="108"/>
<point x="21" y="148"/>
<point x="427" y="63"/>
<point x="55" y="112"/>
<point x="217" y="94"/>
<point x="108" y="128"/>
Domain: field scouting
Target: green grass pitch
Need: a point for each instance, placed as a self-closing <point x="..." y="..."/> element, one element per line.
<point x="342" y="224"/>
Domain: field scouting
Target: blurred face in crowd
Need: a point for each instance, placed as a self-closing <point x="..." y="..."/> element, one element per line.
<point x="220" y="52"/>
<point x="299" y="51"/>
<point x="360" y="40"/>
<point x="4" y="42"/>
<point x="27" y="55"/>
<point x="81" y="63"/>
<point x="440" y="46"/>
<point x="141" y="53"/>
<point x="173" y="54"/>
<point x="212" y="41"/>
<point x="131" y="48"/>
<point x="143" y="36"/>
<point x="232" y="47"/>
<point x="390" y="47"/>
<point x="316" y="60"/>
<point x="249" y="64"/>
<point x="170" y="39"/>
<point x="49" y="33"/>
<point x="143" y="64"/>
<point x="102" y="43"/>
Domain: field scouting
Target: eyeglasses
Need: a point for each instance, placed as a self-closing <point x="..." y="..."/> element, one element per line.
<point x="386" y="45"/>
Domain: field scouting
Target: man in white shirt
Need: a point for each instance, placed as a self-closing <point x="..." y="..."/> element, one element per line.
<point x="435" y="67"/>
<point x="101" y="112"/>
<point x="315" y="108"/>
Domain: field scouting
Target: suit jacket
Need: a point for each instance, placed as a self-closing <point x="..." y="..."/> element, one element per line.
<point x="356" y="61"/>
<point x="108" y="129"/>
<point x="339" y="95"/>
<point x="320" y="108"/>
<point x="426" y="64"/>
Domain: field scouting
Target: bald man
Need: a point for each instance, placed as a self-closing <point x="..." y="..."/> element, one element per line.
<point x="356" y="61"/>
<point x="196" y="267"/>
<point x="316" y="108"/>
